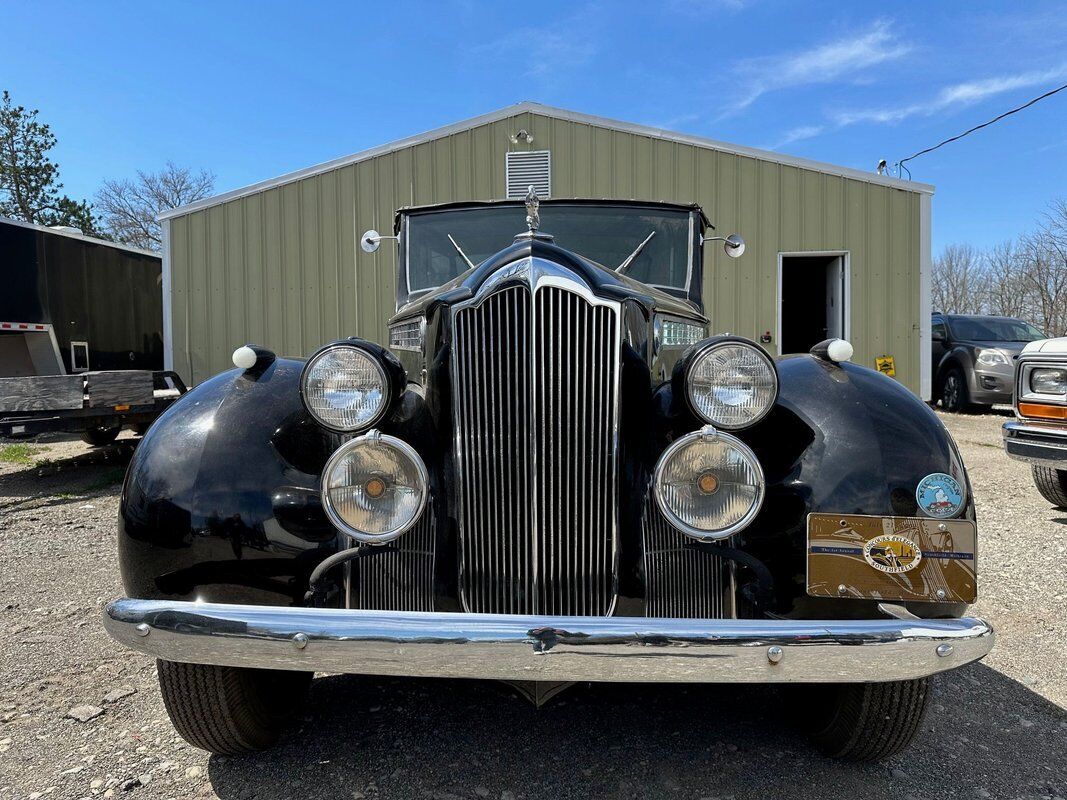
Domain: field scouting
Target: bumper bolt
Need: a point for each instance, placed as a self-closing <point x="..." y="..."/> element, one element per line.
<point x="143" y="629"/>
<point x="944" y="650"/>
<point x="775" y="654"/>
<point x="300" y="641"/>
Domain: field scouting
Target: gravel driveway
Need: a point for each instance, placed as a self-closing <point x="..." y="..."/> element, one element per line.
<point x="996" y="729"/>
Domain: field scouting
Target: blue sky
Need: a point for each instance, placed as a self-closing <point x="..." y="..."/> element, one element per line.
<point x="250" y="91"/>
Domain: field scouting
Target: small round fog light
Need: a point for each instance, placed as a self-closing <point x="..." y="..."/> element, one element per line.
<point x="374" y="488"/>
<point x="709" y="485"/>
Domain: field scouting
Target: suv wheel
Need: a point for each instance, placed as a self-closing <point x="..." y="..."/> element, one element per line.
<point x="861" y="721"/>
<point x="230" y="710"/>
<point x="954" y="391"/>
<point x="1052" y="483"/>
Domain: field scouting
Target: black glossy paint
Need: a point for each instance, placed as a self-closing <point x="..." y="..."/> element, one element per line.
<point x="221" y="500"/>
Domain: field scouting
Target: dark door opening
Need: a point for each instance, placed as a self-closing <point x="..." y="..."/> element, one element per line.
<point x="811" y="301"/>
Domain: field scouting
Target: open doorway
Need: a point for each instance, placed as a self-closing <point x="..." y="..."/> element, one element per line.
<point x="812" y="300"/>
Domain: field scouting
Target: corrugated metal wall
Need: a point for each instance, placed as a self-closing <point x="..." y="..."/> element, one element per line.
<point x="283" y="268"/>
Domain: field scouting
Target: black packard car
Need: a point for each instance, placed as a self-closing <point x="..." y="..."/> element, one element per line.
<point x="553" y="474"/>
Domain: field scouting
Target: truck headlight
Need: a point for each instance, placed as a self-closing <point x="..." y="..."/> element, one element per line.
<point x="731" y="384"/>
<point x="709" y="485"/>
<point x="1049" y="381"/>
<point x="374" y="487"/>
<point x="345" y="387"/>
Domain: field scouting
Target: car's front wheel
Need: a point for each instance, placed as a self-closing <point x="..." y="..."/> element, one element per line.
<point x="1052" y="483"/>
<point x="862" y="721"/>
<point x="230" y="710"/>
<point x="954" y="396"/>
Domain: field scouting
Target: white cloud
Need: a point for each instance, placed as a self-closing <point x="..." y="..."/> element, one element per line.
<point x="823" y="64"/>
<point x="542" y="52"/>
<point x="955" y="96"/>
<point x="795" y="135"/>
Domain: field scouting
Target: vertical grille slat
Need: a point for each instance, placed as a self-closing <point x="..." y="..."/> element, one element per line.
<point x="400" y="579"/>
<point x="536" y="403"/>
<point x="680" y="581"/>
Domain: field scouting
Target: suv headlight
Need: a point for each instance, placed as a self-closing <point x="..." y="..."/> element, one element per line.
<point x="989" y="357"/>
<point x="374" y="487"/>
<point x="1049" y="381"/>
<point x="709" y="485"/>
<point x="731" y="383"/>
<point x="345" y="387"/>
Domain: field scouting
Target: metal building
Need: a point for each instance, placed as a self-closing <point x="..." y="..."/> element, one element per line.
<point x="831" y="250"/>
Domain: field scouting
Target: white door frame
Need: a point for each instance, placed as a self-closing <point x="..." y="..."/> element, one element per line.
<point x="846" y="263"/>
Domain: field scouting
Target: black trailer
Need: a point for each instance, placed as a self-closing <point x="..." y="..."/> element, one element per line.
<point x="81" y="334"/>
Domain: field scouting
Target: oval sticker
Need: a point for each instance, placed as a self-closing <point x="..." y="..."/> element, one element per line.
<point x="939" y="495"/>
<point x="892" y="553"/>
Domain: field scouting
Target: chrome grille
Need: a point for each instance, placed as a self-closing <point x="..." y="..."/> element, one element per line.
<point x="535" y="402"/>
<point x="681" y="581"/>
<point x="399" y="579"/>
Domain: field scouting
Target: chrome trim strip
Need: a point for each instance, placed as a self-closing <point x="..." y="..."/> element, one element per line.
<point x="497" y="646"/>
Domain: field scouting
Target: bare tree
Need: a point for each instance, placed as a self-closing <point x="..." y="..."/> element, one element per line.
<point x="958" y="283"/>
<point x="1045" y="276"/>
<point x="129" y="208"/>
<point x="1005" y="286"/>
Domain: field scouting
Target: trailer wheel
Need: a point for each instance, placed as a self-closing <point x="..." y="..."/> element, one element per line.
<point x="98" y="437"/>
<point x="230" y="710"/>
<point x="861" y="721"/>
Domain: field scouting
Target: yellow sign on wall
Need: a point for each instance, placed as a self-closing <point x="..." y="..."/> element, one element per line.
<point x="886" y="365"/>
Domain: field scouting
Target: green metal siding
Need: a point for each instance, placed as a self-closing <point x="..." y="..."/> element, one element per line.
<point x="283" y="267"/>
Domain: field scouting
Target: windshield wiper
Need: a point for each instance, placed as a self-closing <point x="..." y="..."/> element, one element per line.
<point x="459" y="250"/>
<point x="637" y="251"/>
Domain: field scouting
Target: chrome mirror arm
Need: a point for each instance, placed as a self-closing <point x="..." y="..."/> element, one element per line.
<point x="372" y="240"/>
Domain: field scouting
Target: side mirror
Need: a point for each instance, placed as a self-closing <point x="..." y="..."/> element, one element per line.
<point x="937" y="336"/>
<point x="733" y="245"/>
<point x="372" y="240"/>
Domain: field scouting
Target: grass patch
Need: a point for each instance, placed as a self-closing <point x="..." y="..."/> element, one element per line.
<point x="18" y="453"/>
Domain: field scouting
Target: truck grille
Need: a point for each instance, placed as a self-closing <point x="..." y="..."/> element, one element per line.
<point x="535" y="402"/>
<point x="680" y="581"/>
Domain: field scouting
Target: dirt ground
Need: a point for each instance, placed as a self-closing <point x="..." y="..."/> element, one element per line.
<point x="997" y="729"/>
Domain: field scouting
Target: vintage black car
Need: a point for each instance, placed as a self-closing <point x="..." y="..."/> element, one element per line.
<point x="553" y="474"/>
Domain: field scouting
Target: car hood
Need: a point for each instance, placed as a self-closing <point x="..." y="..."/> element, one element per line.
<point x="1011" y="348"/>
<point x="1056" y="347"/>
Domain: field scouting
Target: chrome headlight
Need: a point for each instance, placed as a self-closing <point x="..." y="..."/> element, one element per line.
<point x="345" y="387"/>
<point x="1049" y="381"/>
<point x="374" y="488"/>
<point x="731" y="384"/>
<point x="709" y="485"/>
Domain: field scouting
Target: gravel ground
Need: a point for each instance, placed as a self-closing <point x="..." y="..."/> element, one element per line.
<point x="996" y="729"/>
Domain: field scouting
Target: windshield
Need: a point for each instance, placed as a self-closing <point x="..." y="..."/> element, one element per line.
<point x="604" y="234"/>
<point x="994" y="330"/>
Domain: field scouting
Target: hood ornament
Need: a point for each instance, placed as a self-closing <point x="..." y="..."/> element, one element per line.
<point x="533" y="218"/>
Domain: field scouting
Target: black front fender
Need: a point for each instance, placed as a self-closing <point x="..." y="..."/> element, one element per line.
<point x="221" y="500"/>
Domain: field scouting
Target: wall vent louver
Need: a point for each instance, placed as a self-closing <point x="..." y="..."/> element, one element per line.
<point x="529" y="168"/>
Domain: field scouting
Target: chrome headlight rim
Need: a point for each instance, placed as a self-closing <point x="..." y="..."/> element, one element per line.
<point x="377" y="356"/>
<point x="408" y="451"/>
<point x="681" y="525"/>
<point x="700" y="351"/>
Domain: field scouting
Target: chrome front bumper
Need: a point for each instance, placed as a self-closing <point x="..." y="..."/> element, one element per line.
<point x="1036" y="442"/>
<point x="504" y="647"/>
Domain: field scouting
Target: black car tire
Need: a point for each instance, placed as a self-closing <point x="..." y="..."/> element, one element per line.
<point x="98" y="437"/>
<point x="954" y="395"/>
<point x="1052" y="483"/>
<point x="230" y="710"/>
<point x="862" y="721"/>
